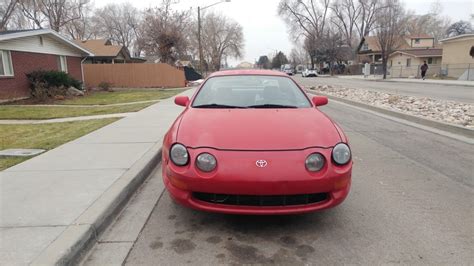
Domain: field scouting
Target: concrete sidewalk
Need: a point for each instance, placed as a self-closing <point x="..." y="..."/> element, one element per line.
<point x="434" y="81"/>
<point x="83" y="105"/>
<point x="426" y="81"/>
<point x="66" y="119"/>
<point x="360" y="77"/>
<point x="53" y="205"/>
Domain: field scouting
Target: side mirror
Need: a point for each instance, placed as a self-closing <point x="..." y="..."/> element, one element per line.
<point x="320" y="100"/>
<point x="181" y="100"/>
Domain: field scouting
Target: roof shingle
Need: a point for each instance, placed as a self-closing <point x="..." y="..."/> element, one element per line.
<point x="100" y="47"/>
<point x="431" y="52"/>
<point x="373" y="43"/>
<point x="5" y="32"/>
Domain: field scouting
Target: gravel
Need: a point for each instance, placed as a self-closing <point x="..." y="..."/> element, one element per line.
<point x="440" y="110"/>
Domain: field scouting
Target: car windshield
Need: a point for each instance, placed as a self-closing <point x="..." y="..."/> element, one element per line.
<point x="250" y="91"/>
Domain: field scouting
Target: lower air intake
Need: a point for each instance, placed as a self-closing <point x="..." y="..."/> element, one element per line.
<point x="255" y="200"/>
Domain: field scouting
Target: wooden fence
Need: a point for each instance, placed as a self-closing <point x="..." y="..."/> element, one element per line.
<point x="134" y="75"/>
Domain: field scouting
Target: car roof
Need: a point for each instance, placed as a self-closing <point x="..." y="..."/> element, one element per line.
<point x="242" y="72"/>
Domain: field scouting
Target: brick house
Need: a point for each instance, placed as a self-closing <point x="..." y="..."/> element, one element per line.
<point x="24" y="51"/>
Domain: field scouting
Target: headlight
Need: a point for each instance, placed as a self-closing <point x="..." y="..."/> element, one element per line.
<point x="315" y="162"/>
<point x="179" y="155"/>
<point x="206" y="162"/>
<point x="341" y="154"/>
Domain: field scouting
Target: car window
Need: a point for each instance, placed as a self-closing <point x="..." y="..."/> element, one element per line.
<point x="250" y="91"/>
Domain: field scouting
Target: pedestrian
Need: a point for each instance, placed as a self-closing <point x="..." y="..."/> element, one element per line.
<point x="424" y="68"/>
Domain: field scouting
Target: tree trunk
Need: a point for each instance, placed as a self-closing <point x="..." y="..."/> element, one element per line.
<point x="216" y="65"/>
<point x="384" y="67"/>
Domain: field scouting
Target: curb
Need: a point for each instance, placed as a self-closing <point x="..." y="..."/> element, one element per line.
<point x="408" y="81"/>
<point x="429" y="82"/>
<point x="79" y="237"/>
<point x="453" y="129"/>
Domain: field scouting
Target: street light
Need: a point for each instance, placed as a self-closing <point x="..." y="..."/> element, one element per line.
<point x="199" y="30"/>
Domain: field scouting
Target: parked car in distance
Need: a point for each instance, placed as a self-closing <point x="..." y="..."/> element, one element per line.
<point x="309" y="73"/>
<point x="288" y="69"/>
<point x="252" y="142"/>
<point x="324" y="70"/>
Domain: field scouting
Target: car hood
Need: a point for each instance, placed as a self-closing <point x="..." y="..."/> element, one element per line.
<point x="257" y="129"/>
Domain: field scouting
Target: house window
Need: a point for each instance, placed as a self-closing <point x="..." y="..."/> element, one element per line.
<point x="41" y="40"/>
<point x="365" y="47"/>
<point x="6" y="67"/>
<point x="417" y="41"/>
<point x="430" y="60"/>
<point x="62" y="63"/>
<point x="408" y="62"/>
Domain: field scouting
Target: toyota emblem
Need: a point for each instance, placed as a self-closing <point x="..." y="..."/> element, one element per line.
<point x="261" y="163"/>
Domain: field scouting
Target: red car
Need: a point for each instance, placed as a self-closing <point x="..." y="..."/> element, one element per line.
<point x="252" y="142"/>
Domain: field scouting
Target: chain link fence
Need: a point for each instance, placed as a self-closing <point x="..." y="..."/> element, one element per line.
<point x="375" y="69"/>
<point x="443" y="71"/>
<point x="448" y="71"/>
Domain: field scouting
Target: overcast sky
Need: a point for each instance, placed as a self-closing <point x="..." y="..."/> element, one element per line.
<point x="265" y="32"/>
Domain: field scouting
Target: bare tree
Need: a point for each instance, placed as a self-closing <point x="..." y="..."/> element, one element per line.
<point x="329" y="47"/>
<point x="459" y="28"/>
<point x="29" y="15"/>
<point x="354" y="19"/>
<point x="81" y="28"/>
<point x="7" y="7"/>
<point x="432" y="23"/>
<point x="164" y="32"/>
<point x="389" y="26"/>
<point x="310" y="44"/>
<point x="55" y="14"/>
<point x="221" y="38"/>
<point x="298" y="56"/>
<point x="369" y="10"/>
<point x="346" y="14"/>
<point x="61" y="12"/>
<point x="306" y="18"/>
<point x="118" y="22"/>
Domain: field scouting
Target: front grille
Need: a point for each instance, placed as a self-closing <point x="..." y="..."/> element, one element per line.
<point x="256" y="200"/>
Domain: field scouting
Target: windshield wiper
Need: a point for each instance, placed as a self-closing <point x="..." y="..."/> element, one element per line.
<point x="268" y="105"/>
<point x="216" y="105"/>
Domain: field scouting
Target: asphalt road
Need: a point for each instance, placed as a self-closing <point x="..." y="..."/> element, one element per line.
<point x="463" y="94"/>
<point x="411" y="203"/>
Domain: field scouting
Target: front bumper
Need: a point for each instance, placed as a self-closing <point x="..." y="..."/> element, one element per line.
<point x="238" y="175"/>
